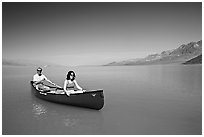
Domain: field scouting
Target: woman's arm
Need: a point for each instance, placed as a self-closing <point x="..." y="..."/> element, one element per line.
<point x="65" y="88"/>
<point x="65" y="85"/>
<point x="77" y="86"/>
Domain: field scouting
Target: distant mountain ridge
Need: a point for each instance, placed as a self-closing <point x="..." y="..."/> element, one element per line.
<point x="9" y="62"/>
<point x="196" y="60"/>
<point x="12" y="63"/>
<point x="179" y="55"/>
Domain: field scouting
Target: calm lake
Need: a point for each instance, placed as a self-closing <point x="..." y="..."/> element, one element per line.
<point x="139" y="100"/>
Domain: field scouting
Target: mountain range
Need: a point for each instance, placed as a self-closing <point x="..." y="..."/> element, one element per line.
<point x="24" y="62"/>
<point x="181" y="55"/>
<point x="196" y="60"/>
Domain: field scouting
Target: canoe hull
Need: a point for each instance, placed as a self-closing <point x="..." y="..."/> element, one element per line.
<point x="91" y="99"/>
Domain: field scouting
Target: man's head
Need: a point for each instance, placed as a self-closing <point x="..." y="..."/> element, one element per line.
<point x="39" y="71"/>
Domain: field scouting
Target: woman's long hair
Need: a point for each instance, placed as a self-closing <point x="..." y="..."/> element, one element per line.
<point x="68" y="75"/>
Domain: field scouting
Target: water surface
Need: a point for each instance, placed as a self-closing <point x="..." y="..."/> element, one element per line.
<point x="138" y="100"/>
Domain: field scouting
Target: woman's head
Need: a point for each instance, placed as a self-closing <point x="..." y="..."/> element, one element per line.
<point x="70" y="75"/>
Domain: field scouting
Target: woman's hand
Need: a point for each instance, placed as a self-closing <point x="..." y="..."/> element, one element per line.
<point x="80" y="89"/>
<point x="68" y="93"/>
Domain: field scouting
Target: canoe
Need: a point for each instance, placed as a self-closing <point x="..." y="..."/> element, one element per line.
<point x="93" y="99"/>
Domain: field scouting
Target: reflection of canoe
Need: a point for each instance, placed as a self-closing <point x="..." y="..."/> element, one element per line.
<point x="93" y="99"/>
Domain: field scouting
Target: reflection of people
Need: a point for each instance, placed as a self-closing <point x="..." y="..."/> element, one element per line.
<point x="70" y="84"/>
<point x="38" y="80"/>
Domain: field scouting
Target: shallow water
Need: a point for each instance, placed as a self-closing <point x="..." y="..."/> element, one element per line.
<point x="138" y="100"/>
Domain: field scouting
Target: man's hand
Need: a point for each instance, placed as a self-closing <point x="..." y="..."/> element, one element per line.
<point x="40" y="82"/>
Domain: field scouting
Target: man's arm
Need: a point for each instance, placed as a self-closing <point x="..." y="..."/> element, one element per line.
<point x="49" y="81"/>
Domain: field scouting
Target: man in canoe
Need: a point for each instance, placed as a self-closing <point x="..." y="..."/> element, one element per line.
<point x="70" y="84"/>
<point x="38" y="81"/>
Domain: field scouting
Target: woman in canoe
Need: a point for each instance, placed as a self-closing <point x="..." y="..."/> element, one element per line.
<point x="71" y="85"/>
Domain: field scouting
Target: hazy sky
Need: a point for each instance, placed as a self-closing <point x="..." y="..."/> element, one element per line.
<point x="96" y="33"/>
